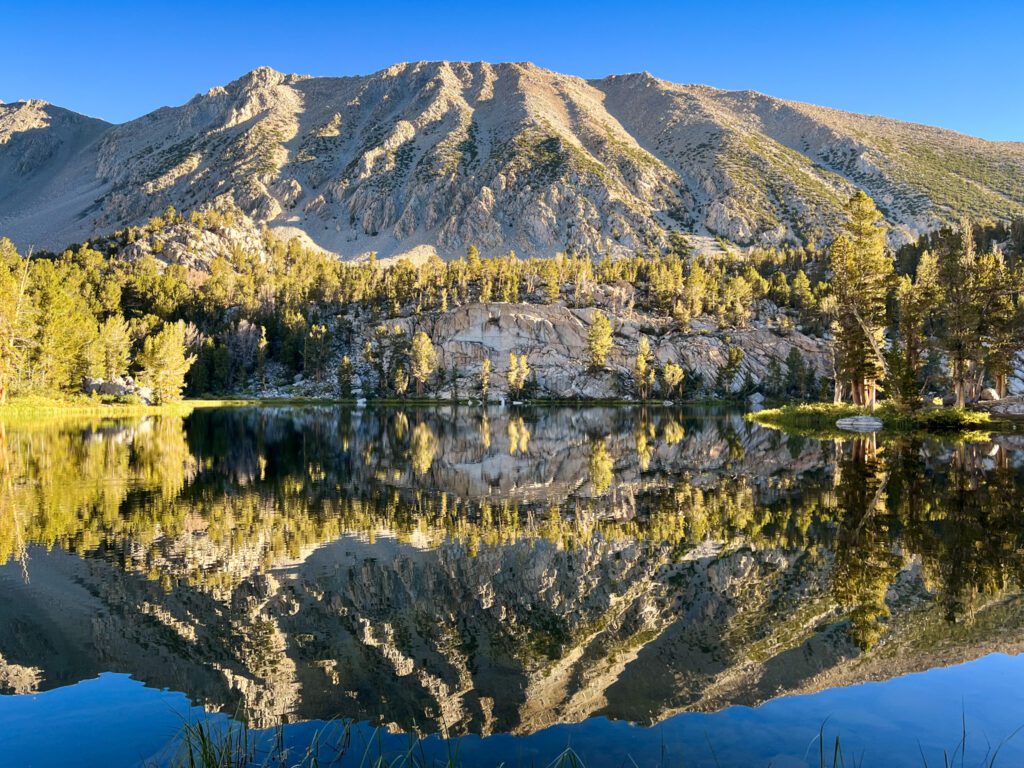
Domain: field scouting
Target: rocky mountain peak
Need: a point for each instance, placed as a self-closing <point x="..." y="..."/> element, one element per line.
<point x="431" y="157"/>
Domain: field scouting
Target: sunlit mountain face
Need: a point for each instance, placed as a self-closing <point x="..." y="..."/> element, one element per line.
<point x="432" y="157"/>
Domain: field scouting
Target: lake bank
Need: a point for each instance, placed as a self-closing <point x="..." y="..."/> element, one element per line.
<point x="807" y="419"/>
<point x="819" y="420"/>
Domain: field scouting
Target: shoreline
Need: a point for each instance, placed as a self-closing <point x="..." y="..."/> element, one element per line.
<point x="805" y="419"/>
<point x="819" y="420"/>
<point x="86" y="405"/>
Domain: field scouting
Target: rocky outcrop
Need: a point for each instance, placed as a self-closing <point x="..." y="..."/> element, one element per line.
<point x="554" y="339"/>
<point x="118" y="387"/>
<point x="1007" y="406"/>
<point x="430" y="157"/>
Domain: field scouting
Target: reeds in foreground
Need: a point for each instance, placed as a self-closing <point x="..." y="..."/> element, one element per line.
<point x="216" y="745"/>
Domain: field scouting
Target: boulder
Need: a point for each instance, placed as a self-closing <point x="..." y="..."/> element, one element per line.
<point x="988" y="395"/>
<point x="117" y="387"/>
<point x="860" y="424"/>
<point x="91" y="386"/>
<point x="114" y="388"/>
<point x="1007" y="406"/>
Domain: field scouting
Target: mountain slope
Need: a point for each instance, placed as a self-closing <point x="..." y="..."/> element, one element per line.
<point x="435" y="156"/>
<point x="48" y="180"/>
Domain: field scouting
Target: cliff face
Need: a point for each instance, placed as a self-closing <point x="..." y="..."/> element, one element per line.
<point x="431" y="157"/>
<point x="554" y="340"/>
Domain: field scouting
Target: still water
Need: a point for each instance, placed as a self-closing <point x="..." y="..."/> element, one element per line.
<point x="651" y="586"/>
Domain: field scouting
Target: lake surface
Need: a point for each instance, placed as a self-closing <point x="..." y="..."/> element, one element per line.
<point x="650" y="585"/>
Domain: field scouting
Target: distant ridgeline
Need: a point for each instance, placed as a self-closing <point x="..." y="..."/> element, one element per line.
<point x="435" y="156"/>
<point x="206" y="303"/>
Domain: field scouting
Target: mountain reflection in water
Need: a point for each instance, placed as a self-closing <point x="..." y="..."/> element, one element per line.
<point x="500" y="571"/>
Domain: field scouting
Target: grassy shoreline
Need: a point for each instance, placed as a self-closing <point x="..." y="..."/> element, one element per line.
<point x="819" y="420"/>
<point x="86" y="405"/>
<point x="90" y="405"/>
<point x="806" y="419"/>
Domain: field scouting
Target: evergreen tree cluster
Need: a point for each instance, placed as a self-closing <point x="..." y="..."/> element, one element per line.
<point x="953" y="320"/>
<point x="943" y="312"/>
<point x="62" y="320"/>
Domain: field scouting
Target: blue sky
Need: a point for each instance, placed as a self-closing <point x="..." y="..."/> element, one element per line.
<point x="957" y="65"/>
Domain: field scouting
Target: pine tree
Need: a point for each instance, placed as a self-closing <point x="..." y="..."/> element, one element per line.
<point x="17" y="314"/>
<point x="737" y="302"/>
<point x="400" y="381"/>
<point x="796" y="374"/>
<point x="959" y="329"/>
<point x="695" y="293"/>
<point x="643" y="370"/>
<point x="915" y="300"/>
<point x="314" y="355"/>
<point x="672" y="375"/>
<point x="422" y="360"/>
<point x="599" y="340"/>
<point x="518" y="371"/>
<point x="345" y="377"/>
<point x="453" y="374"/>
<point x="1002" y="316"/>
<point x="164" y="362"/>
<point x="730" y="370"/>
<point x="800" y="295"/>
<point x="111" y="349"/>
<point x="552" y="281"/>
<point x="65" y="327"/>
<point x="861" y="272"/>
<point x="485" y="378"/>
<point x="261" y="357"/>
<point x="778" y="289"/>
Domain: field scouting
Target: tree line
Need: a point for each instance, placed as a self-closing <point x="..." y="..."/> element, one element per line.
<point x="286" y="309"/>
<point x="952" y="314"/>
<point x="61" y="320"/>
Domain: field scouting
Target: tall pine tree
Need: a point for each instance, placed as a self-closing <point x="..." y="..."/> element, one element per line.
<point x="861" y="272"/>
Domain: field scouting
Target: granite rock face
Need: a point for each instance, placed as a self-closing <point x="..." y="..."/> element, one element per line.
<point x="431" y="157"/>
<point x="554" y="339"/>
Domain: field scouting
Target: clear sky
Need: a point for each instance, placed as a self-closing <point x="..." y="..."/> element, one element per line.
<point x="957" y="65"/>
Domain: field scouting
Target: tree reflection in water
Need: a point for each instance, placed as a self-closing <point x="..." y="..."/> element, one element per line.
<point x="498" y="570"/>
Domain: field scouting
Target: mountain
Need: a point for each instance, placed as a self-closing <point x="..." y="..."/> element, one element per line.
<point x="434" y="156"/>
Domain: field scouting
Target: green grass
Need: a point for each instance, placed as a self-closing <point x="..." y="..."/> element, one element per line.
<point x="91" y="405"/>
<point x="204" y="745"/>
<point x="42" y="409"/>
<point x="819" y="420"/>
<point x="88" y="405"/>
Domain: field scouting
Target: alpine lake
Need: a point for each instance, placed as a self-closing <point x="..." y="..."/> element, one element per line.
<point x="493" y="586"/>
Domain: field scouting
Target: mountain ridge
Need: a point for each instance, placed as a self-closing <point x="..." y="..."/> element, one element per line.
<point x="431" y="157"/>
